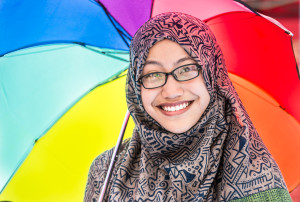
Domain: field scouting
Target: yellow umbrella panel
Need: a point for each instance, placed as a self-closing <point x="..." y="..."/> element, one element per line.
<point x="57" y="167"/>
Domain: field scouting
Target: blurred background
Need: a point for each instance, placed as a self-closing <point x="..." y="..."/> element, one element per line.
<point x="284" y="11"/>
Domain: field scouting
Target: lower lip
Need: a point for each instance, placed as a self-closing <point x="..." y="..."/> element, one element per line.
<point x="175" y="113"/>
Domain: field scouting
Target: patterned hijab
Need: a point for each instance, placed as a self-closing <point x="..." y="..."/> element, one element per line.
<point x="221" y="158"/>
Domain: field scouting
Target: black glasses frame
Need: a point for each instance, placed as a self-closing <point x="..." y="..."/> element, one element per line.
<point x="170" y="73"/>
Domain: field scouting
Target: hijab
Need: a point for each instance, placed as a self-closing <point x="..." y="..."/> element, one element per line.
<point x="221" y="158"/>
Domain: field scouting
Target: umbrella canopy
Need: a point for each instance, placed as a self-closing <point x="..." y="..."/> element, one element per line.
<point x="68" y="136"/>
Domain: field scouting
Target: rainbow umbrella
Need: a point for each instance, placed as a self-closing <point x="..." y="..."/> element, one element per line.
<point x="48" y="147"/>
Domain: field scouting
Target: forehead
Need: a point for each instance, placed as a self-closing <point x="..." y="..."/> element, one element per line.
<point x="166" y="49"/>
<point x="166" y="54"/>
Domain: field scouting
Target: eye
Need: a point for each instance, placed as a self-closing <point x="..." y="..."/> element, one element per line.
<point x="186" y="69"/>
<point x="153" y="77"/>
<point x="156" y="75"/>
<point x="187" y="72"/>
<point x="189" y="68"/>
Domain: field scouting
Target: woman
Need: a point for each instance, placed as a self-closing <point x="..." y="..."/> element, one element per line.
<point x="193" y="139"/>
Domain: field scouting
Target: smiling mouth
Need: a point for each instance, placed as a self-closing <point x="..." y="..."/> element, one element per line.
<point x="177" y="107"/>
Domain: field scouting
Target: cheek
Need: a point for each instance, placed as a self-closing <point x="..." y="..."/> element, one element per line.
<point x="199" y="89"/>
<point x="203" y="93"/>
<point x="205" y="99"/>
<point x="147" y="99"/>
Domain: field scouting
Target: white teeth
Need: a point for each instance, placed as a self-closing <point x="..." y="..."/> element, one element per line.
<point x="176" y="108"/>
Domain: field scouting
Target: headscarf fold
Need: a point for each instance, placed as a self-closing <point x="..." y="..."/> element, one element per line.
<point x="221" y="158"/>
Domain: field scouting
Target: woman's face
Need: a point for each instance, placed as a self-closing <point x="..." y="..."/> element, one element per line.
<point x="178" y="105"/>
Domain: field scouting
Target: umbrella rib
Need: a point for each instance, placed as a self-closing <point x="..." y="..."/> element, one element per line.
<point x="105" y="53"/>
<point x="236" y="83"/>
<point x="119" y="31"/>
<point x="49" y="42"/>
<point x="152" y="5"/>
<point x="34" y="52"/>
<point x="297" y="68"/>
<point x="249" y="7"/>
<point x="118" y="75"/>
<point x="122" y="35"/>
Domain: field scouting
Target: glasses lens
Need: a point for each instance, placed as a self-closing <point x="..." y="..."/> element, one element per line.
<point x="187" y="72"/>
<point x="153" y="80"/>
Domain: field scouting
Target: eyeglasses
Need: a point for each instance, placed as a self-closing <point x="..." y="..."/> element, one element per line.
<point x="158" y="79"/>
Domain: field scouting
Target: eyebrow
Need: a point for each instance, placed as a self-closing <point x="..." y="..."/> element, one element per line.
<point x="153" y="62"/>
<point x="182" y="60"/>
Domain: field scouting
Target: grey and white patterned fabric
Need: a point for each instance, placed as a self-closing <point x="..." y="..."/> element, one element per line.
<point x="221" y="158"/>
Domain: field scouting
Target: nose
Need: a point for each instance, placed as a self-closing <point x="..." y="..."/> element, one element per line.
<point x="172" y="89"/>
